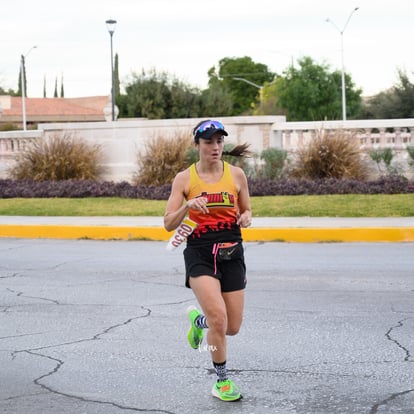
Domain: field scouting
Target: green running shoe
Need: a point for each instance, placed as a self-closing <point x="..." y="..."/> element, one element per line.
<point x="195" y="335"/>
<point x="226" y="391"/>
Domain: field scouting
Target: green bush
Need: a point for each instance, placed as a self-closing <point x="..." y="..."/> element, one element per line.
<point x="336" y="154"/>
<point x="275" y="161"/>
<point x="192" y="155"/>
<point x="410" y="150"/>
<point x="9" y="127"/>
<point x="61" y="157"/>
<point x="382" y="156"/>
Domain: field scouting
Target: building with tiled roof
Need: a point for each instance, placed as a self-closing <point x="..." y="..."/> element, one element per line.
<point x="44" y="110"/>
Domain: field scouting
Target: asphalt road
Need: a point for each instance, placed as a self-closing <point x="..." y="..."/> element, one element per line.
<point x="99" y="327"/>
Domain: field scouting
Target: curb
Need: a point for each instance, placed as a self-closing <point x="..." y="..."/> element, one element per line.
<point x="156" y="233"/>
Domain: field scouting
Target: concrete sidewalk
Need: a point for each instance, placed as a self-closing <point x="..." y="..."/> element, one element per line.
<point x="289" y="229"/>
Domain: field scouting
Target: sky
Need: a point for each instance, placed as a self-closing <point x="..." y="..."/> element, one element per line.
<point x="186" y="38"/>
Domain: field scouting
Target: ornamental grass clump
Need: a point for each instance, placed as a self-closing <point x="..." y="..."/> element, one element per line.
<point x="334" y="154"/>
<point x="60" y="157"/>
<point x="382" y="156"/>
<point x="275" y="161"/>
<point x="410" y="152"/>
<point x="162" y="159"/>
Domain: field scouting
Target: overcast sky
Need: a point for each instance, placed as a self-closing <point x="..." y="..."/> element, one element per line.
<point x="186" y="38"/>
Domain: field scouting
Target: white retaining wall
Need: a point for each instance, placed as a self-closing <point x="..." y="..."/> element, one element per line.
<point x="123" y="140"/>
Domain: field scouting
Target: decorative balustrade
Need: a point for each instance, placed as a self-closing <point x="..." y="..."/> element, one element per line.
<point x="399" y="138"/>
<point x="11" y="143"/>
<point x="123" y="139"/>
<point x="393" y="133"/>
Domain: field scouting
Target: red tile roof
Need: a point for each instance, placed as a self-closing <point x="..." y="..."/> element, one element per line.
<point x="56" y="109"/>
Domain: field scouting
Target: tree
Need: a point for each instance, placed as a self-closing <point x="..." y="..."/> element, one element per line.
<point x="19" y="82"/>
<point x="396" y="102"/>
<point x="44" y="86"/>
<point x="62" y="91"/>
<point x="404" y="91"/>
<point x="269" y="103"/>
<point x="116" y="77"/>
<point x="55" y="93"/>
<point x="185" y="100"/>
<point x="311" y="92"/>
<point x="146" y="96"/>
<point x="216" y="100"/>
<point x="9" y="91"/>
<point x="159" y="95"/>
<point x="243" y="93"/>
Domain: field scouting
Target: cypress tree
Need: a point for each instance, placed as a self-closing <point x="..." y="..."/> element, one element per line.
<point x="117" y="91"/>
<point x="55" y="95"/>
<point x="62" y="92"/>
<point x="19" y="88"/>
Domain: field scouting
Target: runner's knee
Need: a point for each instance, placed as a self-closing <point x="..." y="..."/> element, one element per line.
<point x="217" y="321"/>
<point x="233" y="329"/>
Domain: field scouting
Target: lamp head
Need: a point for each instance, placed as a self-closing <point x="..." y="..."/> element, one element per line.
<point x="110" y="25"/>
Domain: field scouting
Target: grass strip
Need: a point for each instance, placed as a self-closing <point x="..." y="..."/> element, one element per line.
<point x="349" y="205"/>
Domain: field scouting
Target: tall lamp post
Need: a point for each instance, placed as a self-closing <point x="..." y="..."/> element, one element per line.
<point x="23" y="85"/>
<point x="110" y="24"/>
<point x="341" y="32"/>
<point x="253" y="84"/>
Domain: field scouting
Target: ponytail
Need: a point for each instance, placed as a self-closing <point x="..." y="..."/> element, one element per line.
<point x="239" y="151"/>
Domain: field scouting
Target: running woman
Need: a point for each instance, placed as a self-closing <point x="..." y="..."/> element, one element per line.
<point x="215" y="195"/>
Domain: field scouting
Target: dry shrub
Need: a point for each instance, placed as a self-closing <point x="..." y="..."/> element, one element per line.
<point x="61" y="157"/>
<point x="163" y="159"/>
<point x="334" y="154"/>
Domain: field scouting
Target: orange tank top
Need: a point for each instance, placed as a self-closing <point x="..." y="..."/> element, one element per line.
<point x="220" y="223"/>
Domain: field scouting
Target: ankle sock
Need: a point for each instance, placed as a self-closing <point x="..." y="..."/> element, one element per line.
<point x="200" y="322"/>
<point x="221" y="371"/>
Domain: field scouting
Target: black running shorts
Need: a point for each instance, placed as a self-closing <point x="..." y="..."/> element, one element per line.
<point x="230" y="269"/>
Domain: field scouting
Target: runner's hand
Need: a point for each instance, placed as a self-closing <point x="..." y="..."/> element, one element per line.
<point x="244" y="220"/>
<point x="199" y="203"/>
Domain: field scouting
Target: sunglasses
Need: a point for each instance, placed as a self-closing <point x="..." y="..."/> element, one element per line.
<point x="208" y="125"/>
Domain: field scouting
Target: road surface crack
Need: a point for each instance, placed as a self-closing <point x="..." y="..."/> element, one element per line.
<point x="21" y="294"/>
<point x="10" y="276"/>
<point x="93" y="338"/>
<point x="388" y="335"/>
<point x="407" y="358"/>
<point x="374" y="409"/>
<point x="59" y="363"/>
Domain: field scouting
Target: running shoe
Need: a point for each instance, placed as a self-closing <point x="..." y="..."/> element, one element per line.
<point x="195" y="335"/>
<point x="226" y="391"/>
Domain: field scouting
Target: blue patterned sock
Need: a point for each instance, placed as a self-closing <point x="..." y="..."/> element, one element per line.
<point x="200" y="322"/>
<point x="221" y="370"/>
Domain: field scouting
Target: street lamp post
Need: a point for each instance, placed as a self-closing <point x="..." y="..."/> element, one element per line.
<point x="341" y="32"/>
<point x="247" y="81"/>
<point x="253" y="84"/>
<point x="23" y="85"/>
<point x="110" y="24"/>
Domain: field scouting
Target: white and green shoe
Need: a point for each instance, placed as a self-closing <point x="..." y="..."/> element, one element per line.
<point x="226" y="391"/>
<point x="195" y="335"/>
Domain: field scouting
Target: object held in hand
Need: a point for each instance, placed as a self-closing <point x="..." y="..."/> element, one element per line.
<point x="181" y="233"/>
